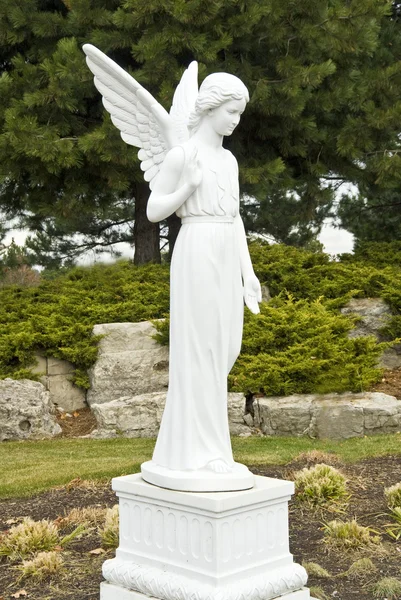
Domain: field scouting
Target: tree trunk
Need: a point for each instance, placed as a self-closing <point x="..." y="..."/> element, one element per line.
<point x="146" y="234"/>
<point x="174" y="225"/>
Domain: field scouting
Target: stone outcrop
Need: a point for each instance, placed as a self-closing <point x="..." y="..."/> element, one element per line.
<point x="333" y="416"/>
<point x="130" y="416"/>
<point x="56" y="375"/>
<point x="374" y="313"/>
<point x="130" y="363"/>
<point x="26" y="411"/>
<point x="140" y="416"/>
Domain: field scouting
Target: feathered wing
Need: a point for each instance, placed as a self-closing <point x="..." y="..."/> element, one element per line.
<point x="184" y="101"/>
<point x="142" y="121"/>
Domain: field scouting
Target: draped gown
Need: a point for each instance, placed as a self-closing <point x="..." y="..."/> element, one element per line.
<point x="206" y="319"/>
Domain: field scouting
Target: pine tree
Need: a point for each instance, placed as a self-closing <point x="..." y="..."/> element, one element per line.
<point x="372" y="217"/>
<point x="324" y="78"/>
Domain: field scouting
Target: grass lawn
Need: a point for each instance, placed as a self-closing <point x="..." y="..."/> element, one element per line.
<point x="30" y="467"/>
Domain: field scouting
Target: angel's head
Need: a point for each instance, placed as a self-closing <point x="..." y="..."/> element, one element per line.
<point x="222" y="97"/>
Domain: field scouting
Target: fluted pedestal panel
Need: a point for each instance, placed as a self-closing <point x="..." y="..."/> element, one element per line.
<point x="203" y="546"/>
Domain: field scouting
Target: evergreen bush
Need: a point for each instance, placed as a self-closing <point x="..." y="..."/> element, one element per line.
<point x="297" y="344"/>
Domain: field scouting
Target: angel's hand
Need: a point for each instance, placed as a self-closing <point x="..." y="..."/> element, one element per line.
<point x="193" y="172"/>
<point x="252" y="293"/>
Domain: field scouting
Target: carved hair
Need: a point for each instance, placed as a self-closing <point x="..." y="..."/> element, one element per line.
<point x="214" y="91"/>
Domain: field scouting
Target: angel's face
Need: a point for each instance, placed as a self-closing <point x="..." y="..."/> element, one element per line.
<point x="225" y="118"/>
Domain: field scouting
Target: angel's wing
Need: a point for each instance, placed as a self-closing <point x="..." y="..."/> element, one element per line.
<point x="142" y="121"/>
<point x="184" y="101"/>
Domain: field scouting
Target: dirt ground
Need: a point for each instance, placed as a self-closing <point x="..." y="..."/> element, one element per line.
<point x="81" y="579"/>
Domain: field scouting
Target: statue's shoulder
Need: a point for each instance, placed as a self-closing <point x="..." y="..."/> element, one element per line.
<point x="231" y="158"/>
<point x="176" y="156"/>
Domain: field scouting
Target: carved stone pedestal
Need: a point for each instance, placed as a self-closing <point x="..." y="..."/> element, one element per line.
<point x="203" y="546"/>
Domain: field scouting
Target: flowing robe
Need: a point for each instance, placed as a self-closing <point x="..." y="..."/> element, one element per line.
<point x="206" y="319"/>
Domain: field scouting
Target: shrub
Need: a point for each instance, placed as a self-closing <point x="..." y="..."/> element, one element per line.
<point x="87" y="516"/>
<point x="315" y="570"/>
<point x="394" y="528"/>
<point x="29" y="537"/>
<point x="349" y="535"/>
<point x="362" y="567"/>
<point x="388" y="588"/>
<point x="320" y="484"/>
<point x="393" y="495"/>
<point x="318" y="593"/>
<point x="110" y="532"/>
<point x="302" y="347"/>
<point x="298" y="344"/>
<point x="57" y="316"/>
<point x="42" y="566"/>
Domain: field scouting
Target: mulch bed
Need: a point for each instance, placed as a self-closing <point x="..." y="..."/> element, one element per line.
<point x="81" y="580"/>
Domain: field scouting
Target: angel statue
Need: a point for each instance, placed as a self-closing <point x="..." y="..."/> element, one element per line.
<point x="190" y="173"/>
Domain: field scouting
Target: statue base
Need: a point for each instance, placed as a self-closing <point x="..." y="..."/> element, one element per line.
<point x="214" y="546"/>
<point x="202" y="480"/>
<point x="108" y="591"/>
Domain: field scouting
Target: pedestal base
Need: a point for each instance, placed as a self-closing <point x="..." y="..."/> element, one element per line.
<point x="109" y="591"/>
<point x="202" y="480"/>
<point x="203" y="546"/>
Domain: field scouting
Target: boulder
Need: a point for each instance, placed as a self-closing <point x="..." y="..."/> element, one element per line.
<point x="130" y="363"/>
<point x="140" y="416"/>
<point x="374" y="313"/>
<point x="26" y="411"/>
<point x="333" y="416"/>
<point x="132" y="416"/>
<point x="56" y="375"/>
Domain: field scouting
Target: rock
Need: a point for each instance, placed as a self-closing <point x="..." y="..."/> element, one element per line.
<point x="266" y="296"/>
<point x="64" y="393"/>
<point x="236" y="414"/>
<point x="130" y="363"/>
<point x="333" y="416"/>
<point x="137" y="416"/>
<point x="140" y="416"/>
<point x="26" y="411"/>
<point x="337" y="417"/>
<point x="374" y="313"/>
<point x="56" y="376"/>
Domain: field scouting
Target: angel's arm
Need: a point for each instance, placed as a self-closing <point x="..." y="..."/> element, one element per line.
<point x="252" y="290"/>
<point x="166" y="196"/>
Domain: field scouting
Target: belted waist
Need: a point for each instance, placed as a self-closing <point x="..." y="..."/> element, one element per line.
<point x="208" y="219"/>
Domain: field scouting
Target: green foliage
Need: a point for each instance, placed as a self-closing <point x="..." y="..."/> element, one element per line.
<point x="109" y="533"/>
<point x="297" y="344"/>
<point x="349" y="535"/>
<point x="324" y="80"/>
<point x="43" y="566"/>
<point x="374" y="216"/>
<point x="320" y="485"/>
<point x="312" y="275"/>
<point x="315" y="570"/>
<point x="361" y="568"/>
<point x="378" y="254"/>
<point x="57" y="317"/>
<point x="28" y="538"/>
<point x="387" y="588"/>
<point x="302" y="347"/>
<point x="393" y="529"/>
<point x="393" y="495"/>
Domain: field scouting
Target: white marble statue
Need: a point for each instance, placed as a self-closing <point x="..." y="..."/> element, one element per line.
<point x="190" y="173"/>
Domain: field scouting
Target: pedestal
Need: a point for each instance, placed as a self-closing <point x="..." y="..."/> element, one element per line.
<point x="203" y="546"/>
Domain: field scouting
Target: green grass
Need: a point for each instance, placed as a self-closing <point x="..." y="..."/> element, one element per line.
<point x="30" y="467"/>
